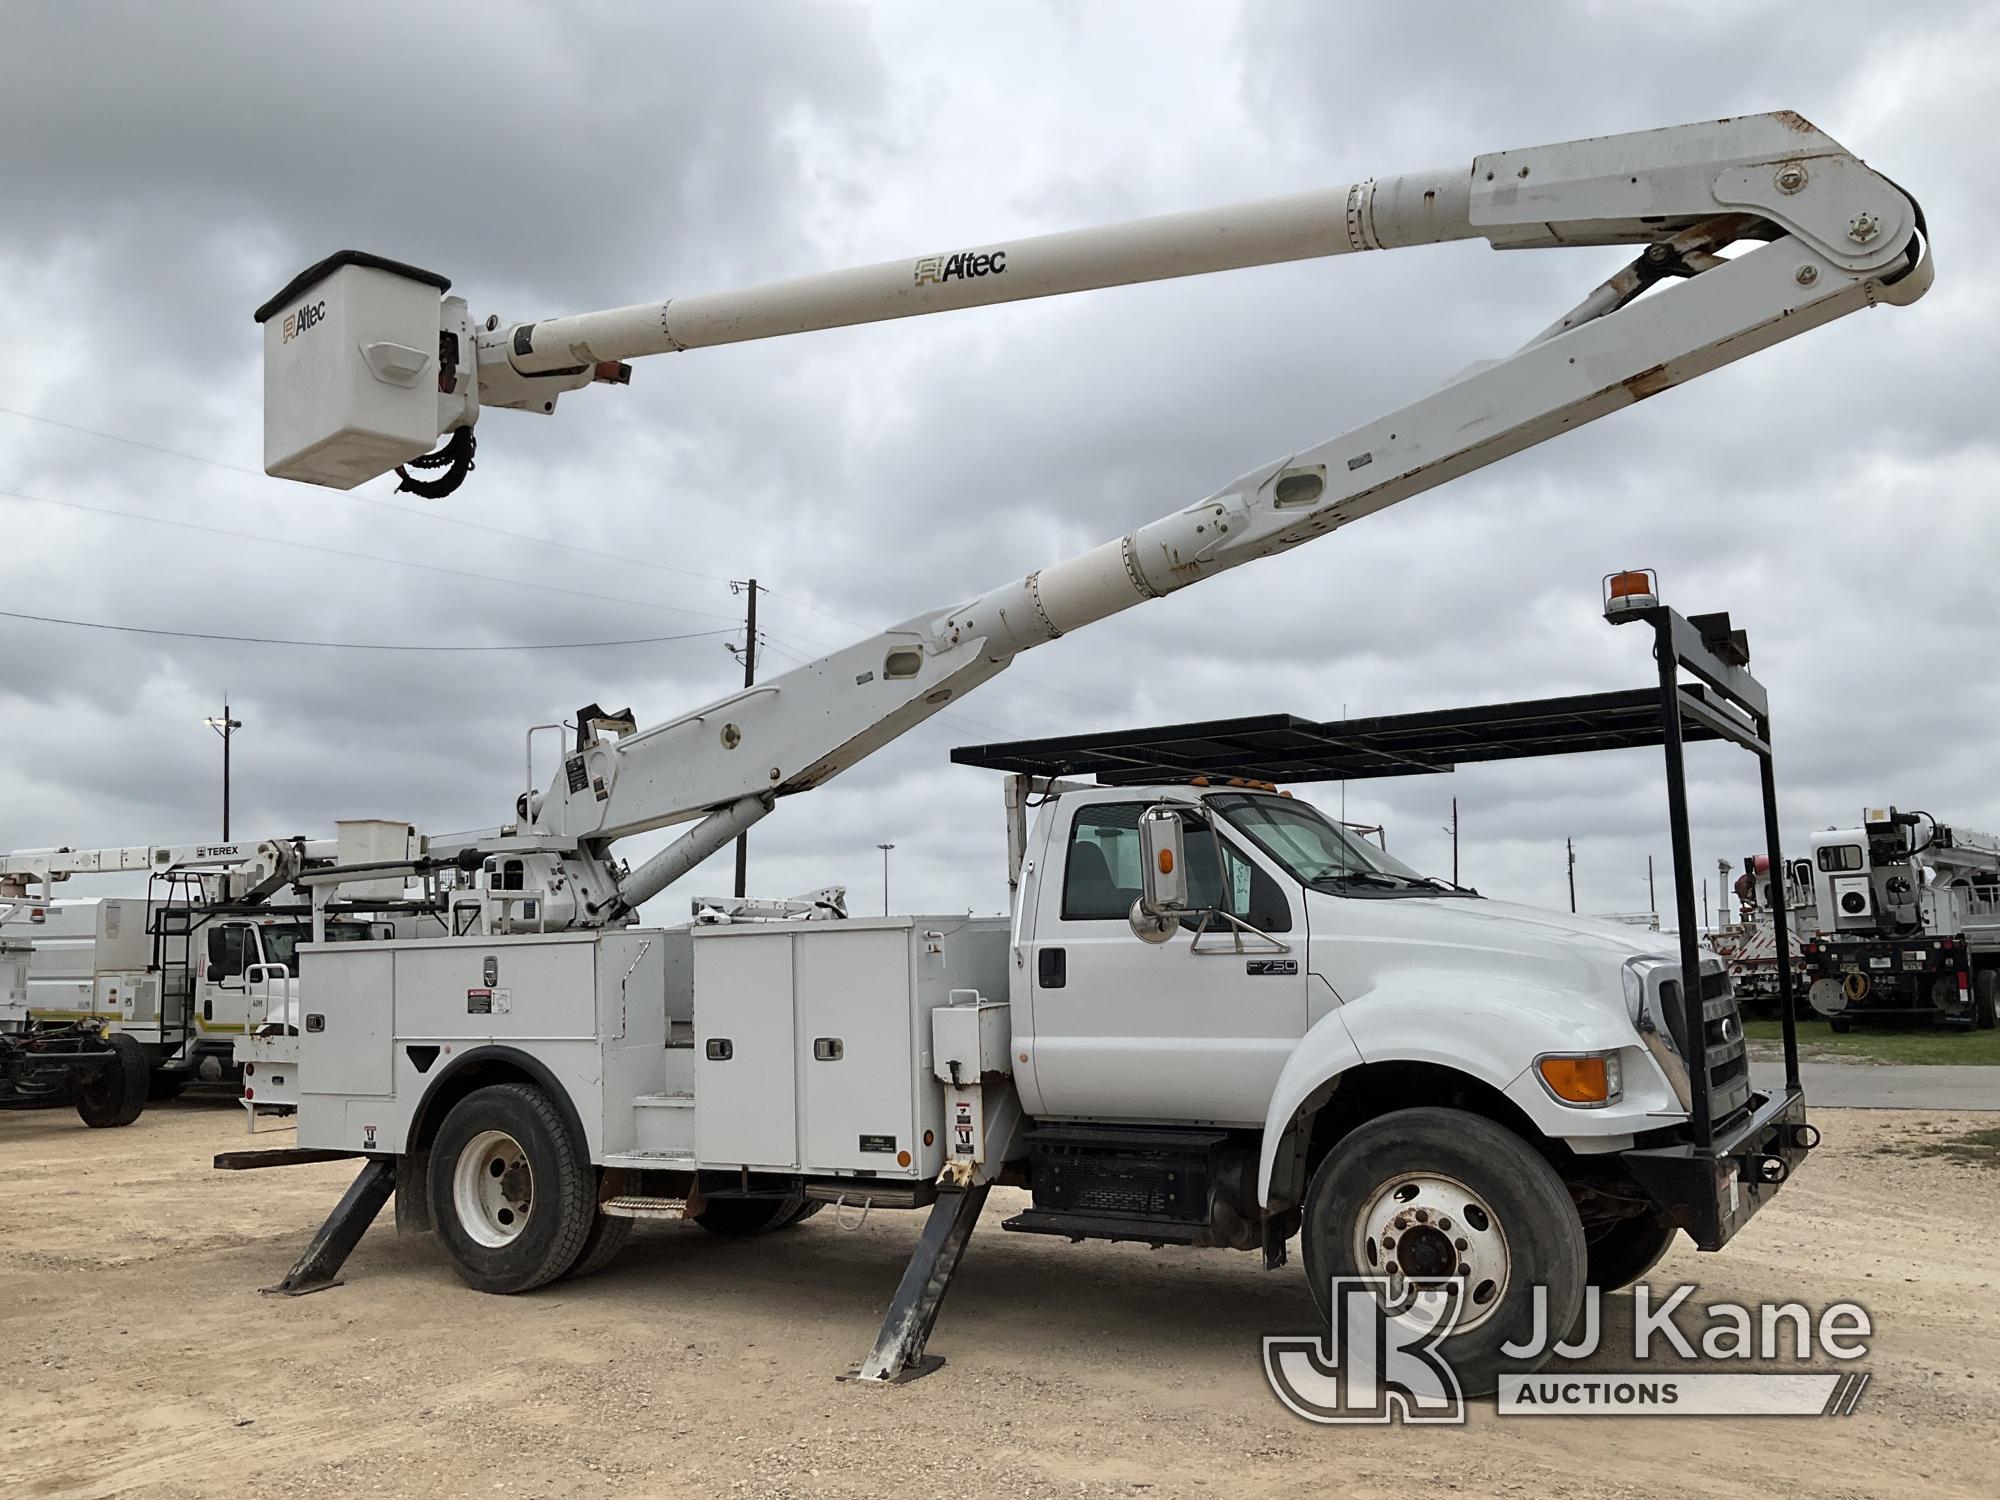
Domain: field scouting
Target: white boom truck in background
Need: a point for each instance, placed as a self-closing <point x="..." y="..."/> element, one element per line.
<point x="185" y="972"/>
<point x="534" y="1081"/>
<point x="1909" y="922"/>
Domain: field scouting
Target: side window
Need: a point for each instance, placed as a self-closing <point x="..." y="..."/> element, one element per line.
<point x="1240" y="888"/>
<point x="1836" y="857"/>
<point x="229" y="951"/>
<point x="1101" y="873"/>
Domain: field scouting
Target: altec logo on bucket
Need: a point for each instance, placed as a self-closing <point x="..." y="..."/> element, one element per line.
<point x="298" y="322"/>
<point x="961" y="266"/>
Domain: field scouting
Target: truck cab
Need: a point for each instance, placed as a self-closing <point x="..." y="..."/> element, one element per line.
<point x="1313" y="952"/>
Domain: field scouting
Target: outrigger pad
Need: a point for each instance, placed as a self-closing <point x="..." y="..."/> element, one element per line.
<point x="319" y="1267"/>
<point x="898" y="1356"/>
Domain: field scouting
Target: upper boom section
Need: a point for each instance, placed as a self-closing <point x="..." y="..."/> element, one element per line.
<point x="365" y="369"/>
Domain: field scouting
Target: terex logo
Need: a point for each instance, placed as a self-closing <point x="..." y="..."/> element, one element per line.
<point x="298" y="322"/>
<point x="961" y="265"/>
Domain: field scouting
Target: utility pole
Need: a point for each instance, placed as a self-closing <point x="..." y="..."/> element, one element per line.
<point x="885" y="848"/>
<point x="1570" y="846"/>
<point x="1453" y="831"/>
<point x="226" y="727"/>
<point x="749" y="680"/>
<point x="1652" y="903"/>
<point x="1704" y="900"/>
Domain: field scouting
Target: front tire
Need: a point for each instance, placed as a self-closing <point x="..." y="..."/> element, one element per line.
<point x="1433" y="1196"/>
<point x="1986" y="999"/>
<point x="1627" y="1250"/>
<point x="115" y="1094"/>
<point x="510" y="1193"/>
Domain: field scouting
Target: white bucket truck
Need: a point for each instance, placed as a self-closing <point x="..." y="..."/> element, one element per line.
<point x="1276" y="1031"/>
<point x="183" y="974"/>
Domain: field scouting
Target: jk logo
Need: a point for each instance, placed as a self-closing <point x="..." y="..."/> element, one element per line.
<point x="1379" y="1362"/>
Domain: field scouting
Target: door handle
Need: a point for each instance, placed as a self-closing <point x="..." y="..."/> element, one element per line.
<point x="1052" y="968"/>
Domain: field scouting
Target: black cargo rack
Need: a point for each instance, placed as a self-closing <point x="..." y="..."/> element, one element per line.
<point x="1725" y="702"/>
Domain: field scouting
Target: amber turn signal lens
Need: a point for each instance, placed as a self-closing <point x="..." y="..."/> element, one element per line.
<point x="1166" y="861"/>
<point x="1578" y="1080"/>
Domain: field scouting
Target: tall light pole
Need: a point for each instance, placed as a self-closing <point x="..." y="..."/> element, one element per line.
<point x="1453" y="831"/>
<point x="1570" y="846"/>
<point x="226" y="727"/>
<point x="885" y="848"/>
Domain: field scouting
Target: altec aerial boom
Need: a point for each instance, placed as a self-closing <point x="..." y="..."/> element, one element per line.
<point x="361" y="378"/>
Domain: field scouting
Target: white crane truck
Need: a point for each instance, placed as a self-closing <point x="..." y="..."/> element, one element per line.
<point x="1351" y="1069"/>
<point x="1909" y="923"/>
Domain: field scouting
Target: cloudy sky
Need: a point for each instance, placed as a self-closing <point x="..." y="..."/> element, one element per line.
<point x="167" y="168"/>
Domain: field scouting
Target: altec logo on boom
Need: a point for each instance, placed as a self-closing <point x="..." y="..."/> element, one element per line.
<point x="298" y="322"/>
<point x="961" y="265"/>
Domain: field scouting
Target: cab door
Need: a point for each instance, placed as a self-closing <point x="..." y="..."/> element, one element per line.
<point x="219" y="998"/>
<point x="1129" y="1030"/>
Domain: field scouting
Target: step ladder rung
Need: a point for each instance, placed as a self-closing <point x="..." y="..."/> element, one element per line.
<point x="639" y="1206"/>
<point x="664" y="1101"/>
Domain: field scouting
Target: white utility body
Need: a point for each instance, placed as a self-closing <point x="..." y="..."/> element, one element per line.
<point x="1304" y="1061"/>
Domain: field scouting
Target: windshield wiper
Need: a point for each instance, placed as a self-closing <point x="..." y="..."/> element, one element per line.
<point x="1364" y="877"/>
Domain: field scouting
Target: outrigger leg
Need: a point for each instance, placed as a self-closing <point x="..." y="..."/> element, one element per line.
<point x="319" y="1267"/>
<point x="898" y="1354"/>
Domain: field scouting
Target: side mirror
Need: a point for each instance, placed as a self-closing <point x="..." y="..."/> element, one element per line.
<point x="1163" y="894"/>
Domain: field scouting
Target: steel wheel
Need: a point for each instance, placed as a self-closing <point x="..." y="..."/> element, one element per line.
<point x="1426" y="1231"/>
<point x="493" y="1188"/>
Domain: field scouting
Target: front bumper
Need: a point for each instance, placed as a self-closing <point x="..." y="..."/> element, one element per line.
<point x="1712" y="1193"/>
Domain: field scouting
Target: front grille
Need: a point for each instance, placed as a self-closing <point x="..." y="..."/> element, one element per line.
<point x="1725" y="1055"/>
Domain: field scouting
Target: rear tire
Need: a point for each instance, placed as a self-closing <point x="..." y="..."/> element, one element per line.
<point x="1627" y="1250"/>
<point x="510" y="1193"/>
<point x="1495" y="1208"/>
<point x="115" y="1094"/>
<point x="1839" y="1025"/>
<point x="743" y="1218"/>
<point x="608" y="1235"/>
<point x="1986" y="999"/>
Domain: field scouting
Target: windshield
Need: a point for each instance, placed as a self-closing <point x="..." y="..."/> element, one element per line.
<point x="281" y="941"/>
<point x="1316" y="851"/>
<point x="281" y="944"/>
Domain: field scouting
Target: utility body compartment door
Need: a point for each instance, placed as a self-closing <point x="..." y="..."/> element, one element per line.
<point x="746" y="1085"/>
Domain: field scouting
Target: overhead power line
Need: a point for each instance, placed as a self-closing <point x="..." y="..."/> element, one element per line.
<point x="444" y="520"/>
<point x="594" y="595"/>
<point x="265" y="640"/>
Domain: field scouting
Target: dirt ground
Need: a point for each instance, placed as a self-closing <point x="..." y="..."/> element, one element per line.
<point x="137" y="1358"/>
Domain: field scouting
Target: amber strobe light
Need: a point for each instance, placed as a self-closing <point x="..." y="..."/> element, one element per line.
<point x="1629" y="589"/>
